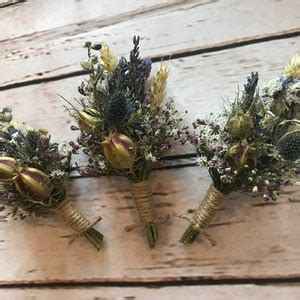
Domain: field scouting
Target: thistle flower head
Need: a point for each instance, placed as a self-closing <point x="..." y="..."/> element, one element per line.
<point x="118" y="108"/>
<point x="289" y="145"/>
<point x="107" y="60"/>
<point x="158" y="85"/>
<point x="292" y="69"/>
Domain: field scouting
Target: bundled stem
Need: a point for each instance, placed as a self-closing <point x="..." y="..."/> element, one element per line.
<point x="203" y="216"/>
<point x="80" y="224"/>
<point x="143" y="199"/>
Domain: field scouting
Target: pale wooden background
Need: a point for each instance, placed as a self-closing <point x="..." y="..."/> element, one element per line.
<point x="213" y="46"/>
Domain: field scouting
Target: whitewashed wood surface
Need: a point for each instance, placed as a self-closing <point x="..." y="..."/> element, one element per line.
<point x="214" y="45"/>
<point x="165" y="29"/>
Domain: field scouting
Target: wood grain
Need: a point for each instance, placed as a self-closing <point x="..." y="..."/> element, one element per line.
<point x="256" y="240"/>
<point x="216" y="292"/>
<point x="48" y="51"/>
<point x="198" y="83"/>
<point x="33" y="18"/>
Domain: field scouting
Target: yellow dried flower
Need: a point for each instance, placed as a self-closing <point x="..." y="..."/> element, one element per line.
<point x="107" y="60"/>
<point x="158" y="86"/>
<point x="292" y="69"/>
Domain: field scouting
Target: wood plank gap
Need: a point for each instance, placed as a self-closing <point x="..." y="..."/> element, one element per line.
<point x="176" y="166"/>
<point x="175" y="55"/>
<point x="5" y="4"/>
<point x="187" y="281"/>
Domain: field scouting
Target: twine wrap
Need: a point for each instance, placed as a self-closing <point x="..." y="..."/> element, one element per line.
<point x="208" y="208"/>
<point x="205" y="213"/>
<point x="74" y="218"/>
<point x="143" y="199"/>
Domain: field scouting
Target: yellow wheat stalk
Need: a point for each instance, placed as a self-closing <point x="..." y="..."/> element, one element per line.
<point x="107" y="60"/>
<point x="158" y="86"/>
<point x="292" y="69"/>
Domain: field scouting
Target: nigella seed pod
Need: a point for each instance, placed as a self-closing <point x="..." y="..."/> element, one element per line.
<point x="241" y="154"/>
<point x="118" y="151"/>
<point x="8" y="167"/>
<point x="87" y="119"/>
<point x="289" y="145"/>
<point x="33" y="184"/>
<point x="239" y="125"/>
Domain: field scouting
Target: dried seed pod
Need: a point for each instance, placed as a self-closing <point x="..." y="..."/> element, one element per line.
<point x="33" y="184"/>
<point x="8" y="167"/>
<point x="239" y="125"/>
<point x="241" y="154"/>
<point x="118" y="150"/>
<point x="87" y="119"/>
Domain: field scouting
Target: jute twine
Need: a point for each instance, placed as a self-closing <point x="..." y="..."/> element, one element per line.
<point x="75" y="219"/>
<point x="206" y="212"/>
<point x="143" y="199"/>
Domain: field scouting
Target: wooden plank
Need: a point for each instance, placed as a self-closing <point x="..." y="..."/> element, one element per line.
<point x="256" y="240"/>
<point x="198" y="83"/>
<point x="215" y="292"/>
<point x="166" y="30"/>
<point x="34" y="18"/>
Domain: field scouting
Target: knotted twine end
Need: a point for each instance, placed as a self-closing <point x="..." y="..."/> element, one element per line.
<point x="143" y="199"/>
<point x="75" y="219"/>
<point x="206" y="212"/>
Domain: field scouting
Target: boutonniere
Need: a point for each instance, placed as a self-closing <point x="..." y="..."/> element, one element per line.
<point x="33" y="175"/>
<point x="243" y="150"/>
<point x="127" y="123"/>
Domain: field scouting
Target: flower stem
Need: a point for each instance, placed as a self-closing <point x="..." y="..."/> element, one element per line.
<point x="152" y="234"/>
<point x="203" y="216"/>
<point x="94" y="237"/>
<point x="189" y="235"/>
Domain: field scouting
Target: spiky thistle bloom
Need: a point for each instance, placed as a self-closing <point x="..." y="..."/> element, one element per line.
<point x="292" y="69"/>
<point x="107" y="60"/>
<point x="157" y="88"/>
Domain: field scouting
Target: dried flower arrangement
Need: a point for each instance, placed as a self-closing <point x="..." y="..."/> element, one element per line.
<point x="124" y="126"/>
<point x="33" y="176"/>
<point x="253" y="146"/>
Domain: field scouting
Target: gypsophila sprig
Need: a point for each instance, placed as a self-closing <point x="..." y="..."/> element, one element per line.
<point x="33" y="174"/>
<point x="243" y="151"/>
<point x="125" y="126"/>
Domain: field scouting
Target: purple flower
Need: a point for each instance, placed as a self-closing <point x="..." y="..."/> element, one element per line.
<point x="144" y="68"/>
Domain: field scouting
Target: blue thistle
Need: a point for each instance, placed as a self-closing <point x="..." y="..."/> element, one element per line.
<point x="289" y="145"/>
<point x="117" y="109"/>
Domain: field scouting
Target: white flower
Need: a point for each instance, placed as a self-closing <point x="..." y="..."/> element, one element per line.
<point x="255" y="189"/>
<point x="57" y="173"/>
<point x="150" y="157"/>
<point x="201" y="161"/>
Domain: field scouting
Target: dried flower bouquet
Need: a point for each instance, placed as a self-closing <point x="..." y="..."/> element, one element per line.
<point x="33" y="176"/>
<point x="124" y="126"/>
<point x="253" y="146"/>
